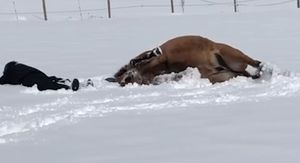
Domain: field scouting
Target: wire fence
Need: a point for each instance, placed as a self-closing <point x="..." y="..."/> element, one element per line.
<point x="81" y="9"/>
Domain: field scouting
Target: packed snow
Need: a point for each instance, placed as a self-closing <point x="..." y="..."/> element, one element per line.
<point x="190" y="120"/>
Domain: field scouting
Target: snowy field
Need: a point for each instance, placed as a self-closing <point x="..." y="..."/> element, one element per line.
<point x="241" y="120"/>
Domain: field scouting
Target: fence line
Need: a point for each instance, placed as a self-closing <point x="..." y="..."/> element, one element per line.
<point x="110" y="7"/>
<point x="271" y="4"/>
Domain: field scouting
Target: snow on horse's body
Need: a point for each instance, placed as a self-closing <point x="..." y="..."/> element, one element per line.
<point x="216" y="61"/>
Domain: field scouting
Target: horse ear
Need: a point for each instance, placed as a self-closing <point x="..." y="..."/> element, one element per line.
<point x="111" y="79"/>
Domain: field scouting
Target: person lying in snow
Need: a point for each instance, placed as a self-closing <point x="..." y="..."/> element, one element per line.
<point x="20" y="74"/>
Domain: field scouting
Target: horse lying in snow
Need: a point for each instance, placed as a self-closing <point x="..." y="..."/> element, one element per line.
<point x="217" y="62"/>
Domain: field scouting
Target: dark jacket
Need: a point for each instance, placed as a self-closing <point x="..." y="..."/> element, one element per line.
<point x="15" y="73"/>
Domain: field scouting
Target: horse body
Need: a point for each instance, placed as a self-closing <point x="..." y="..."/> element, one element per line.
<point x="191" y="51"/>
<point x="216" y="61"/>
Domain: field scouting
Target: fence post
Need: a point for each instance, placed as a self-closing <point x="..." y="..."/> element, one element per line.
<point x="45" y="11"/>
<point x="298" y="3"/>
<point x="182" y="5"/>
<point x="16" y="13"/>
<point x="172" y="6"/>
<point x="235" y="5"/>
<point x="108" y="9"/>
<point x="80" y="11"/>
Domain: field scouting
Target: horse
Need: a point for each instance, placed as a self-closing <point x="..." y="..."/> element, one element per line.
<point x="218" y="62"/>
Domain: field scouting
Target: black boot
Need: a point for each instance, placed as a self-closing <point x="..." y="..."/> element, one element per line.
<point x="75" y="84"/>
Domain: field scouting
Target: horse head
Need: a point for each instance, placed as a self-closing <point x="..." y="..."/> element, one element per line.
<point x="131" y="75"/>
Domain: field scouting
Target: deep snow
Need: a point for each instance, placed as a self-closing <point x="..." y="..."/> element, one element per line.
<point x="187" y="121"/>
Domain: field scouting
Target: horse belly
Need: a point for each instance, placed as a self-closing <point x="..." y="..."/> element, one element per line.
<point x="189" y="59"/>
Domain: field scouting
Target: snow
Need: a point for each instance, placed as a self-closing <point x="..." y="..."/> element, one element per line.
<point x="241" y="120"/>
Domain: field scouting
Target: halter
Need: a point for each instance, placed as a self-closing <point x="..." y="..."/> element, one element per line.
<point x="157" y="51"/>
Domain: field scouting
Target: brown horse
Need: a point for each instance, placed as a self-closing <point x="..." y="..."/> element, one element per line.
<point x="217" y="62"/>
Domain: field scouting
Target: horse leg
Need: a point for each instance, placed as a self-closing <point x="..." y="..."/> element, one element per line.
<point x="221" y="76"/>
<point x="241" y="65"/>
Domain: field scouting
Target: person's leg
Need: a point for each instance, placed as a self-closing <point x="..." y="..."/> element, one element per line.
<point x="59" y="80"/>
<point x="48" y="84"/>
<point x="43" y="82"/>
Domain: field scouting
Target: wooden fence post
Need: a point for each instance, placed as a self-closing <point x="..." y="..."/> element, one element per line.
<point x="182" y="5"/>
<point x="80" y="10"/>
<point x="45" y="11"/>
<point x="172" y="6"/>
<point x="108" y="9"/>
<point x="15" y="8"/>
<point x="235" y="5"/>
